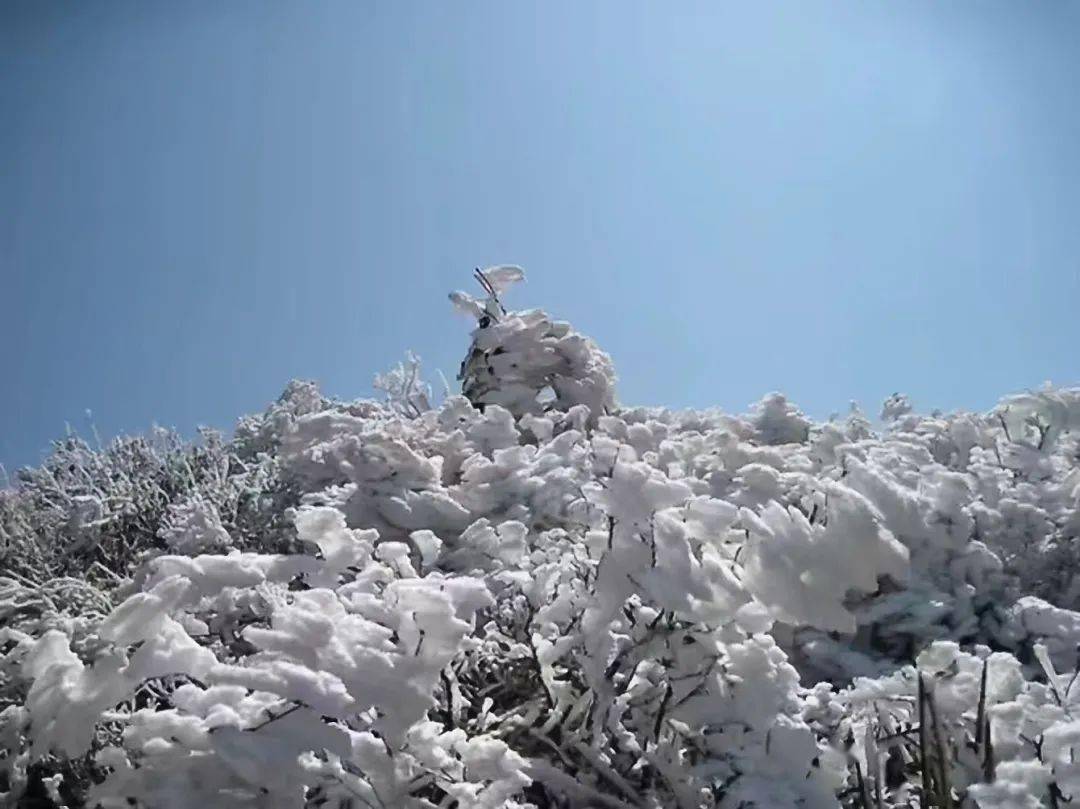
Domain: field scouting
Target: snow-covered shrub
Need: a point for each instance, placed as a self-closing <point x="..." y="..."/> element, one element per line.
<point x="777" y="421"/>
<point x="531" y="596"/>
<point x="528" y="363"/>
<point x="894" y="407"/>
<point x="405" y="391"/>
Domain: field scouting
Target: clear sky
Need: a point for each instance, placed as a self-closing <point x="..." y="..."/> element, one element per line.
<point x="202" y="200"/>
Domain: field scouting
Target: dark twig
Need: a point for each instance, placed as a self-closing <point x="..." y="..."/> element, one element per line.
<point x="945" y="791"/>
<point x="980" y="718"/>
<point x="924" y="758"/>
<point x="660" y="713"/>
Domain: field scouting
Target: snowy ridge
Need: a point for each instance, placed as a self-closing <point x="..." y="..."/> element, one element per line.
<point x="529" y="595"/>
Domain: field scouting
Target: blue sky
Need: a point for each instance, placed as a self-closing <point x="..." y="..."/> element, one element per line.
<point x="200" y="201"/>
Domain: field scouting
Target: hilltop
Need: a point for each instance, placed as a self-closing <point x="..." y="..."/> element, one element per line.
<point x="531" y="594"/>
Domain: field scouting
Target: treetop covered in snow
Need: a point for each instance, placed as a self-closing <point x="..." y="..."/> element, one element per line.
<point x="532" y="595"/>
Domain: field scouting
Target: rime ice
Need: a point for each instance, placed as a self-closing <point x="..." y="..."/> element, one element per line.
<point x="531" y="595"/>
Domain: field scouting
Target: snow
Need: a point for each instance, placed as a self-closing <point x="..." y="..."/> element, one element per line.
<point x="531" y="593"/>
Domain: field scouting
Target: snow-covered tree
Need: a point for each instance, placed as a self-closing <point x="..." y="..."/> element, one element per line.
<point x="531" y="595"/>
